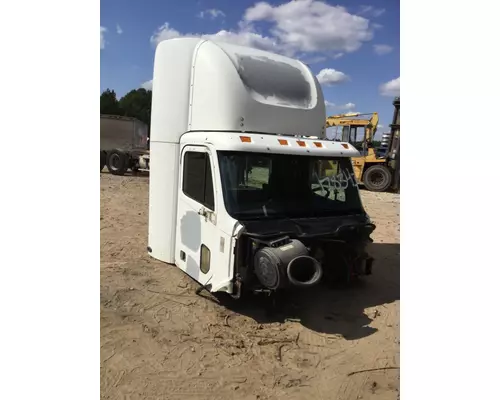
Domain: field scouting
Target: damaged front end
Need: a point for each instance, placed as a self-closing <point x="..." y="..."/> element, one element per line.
<point x="308" y="253"/>
<point x="302" y="220"/>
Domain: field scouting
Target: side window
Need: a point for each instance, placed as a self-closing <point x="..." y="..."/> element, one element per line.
<point x="197" y="180"/>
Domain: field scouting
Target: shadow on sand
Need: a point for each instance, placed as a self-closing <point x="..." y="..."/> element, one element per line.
<point x="331" y="310"/>
<point x="138" y="174"/>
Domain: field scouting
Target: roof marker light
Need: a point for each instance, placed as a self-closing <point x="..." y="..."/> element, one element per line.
<point x="301" y="143"/>
<point x="283" y="142"/>
<point x="345" y="145"/>
<point x="246" y="139"/>
<point x="318" y="144"/>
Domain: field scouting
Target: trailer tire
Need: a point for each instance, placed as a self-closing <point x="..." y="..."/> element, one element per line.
<point x="117" y="162"/>
<point x="103" y="160"/>
<point x="377" y="178"/>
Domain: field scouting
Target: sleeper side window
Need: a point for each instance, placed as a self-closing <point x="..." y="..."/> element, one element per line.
<point x="197" y="180"/>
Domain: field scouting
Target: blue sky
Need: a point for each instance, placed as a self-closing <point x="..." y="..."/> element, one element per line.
<point x="352" y="46"/>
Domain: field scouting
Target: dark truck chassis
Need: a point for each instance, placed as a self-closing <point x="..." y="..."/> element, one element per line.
<point x="118" y="161"/>
<point x="274" y="256"/>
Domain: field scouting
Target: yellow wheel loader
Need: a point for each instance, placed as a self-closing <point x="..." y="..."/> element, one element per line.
<point x="377" y="169"/>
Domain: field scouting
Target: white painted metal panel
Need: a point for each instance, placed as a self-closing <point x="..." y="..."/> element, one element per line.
<point x="163" y="193"/>
<point x="271" y="144"/>
<point x="204" y="85"/>
<point x="195" y="230"/>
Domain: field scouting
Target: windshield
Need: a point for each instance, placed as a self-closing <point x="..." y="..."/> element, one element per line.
<point x="257" y="185"/>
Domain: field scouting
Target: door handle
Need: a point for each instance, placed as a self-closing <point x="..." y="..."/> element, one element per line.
<point x="208" y="215"/>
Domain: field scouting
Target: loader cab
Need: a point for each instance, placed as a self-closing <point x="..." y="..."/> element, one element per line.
<point x="356" y="135"/>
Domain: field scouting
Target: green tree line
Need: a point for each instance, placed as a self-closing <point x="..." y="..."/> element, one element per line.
<point x="136" y="104"/>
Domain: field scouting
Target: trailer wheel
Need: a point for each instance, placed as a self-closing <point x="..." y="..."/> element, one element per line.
<point x="117" y="162"/>
<point x="103" y="159"/>
<point x="377" y="178"/>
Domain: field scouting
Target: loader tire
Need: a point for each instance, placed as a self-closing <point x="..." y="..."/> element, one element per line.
<point x="103" y="160"/>
<point x="377" y="178"/>
<point x="117" y="162"/>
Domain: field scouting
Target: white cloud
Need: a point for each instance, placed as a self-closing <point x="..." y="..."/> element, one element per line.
<point x="119" y="30"/>
<point x="147" y="85"/>
<point x="103" y="42"/>
<point x="314" y="60"/>
<point x="372" y="11"/>
<point x="245" y="38"/>
<point x="242" y="37"/>
<point x="164" y="32"/>
<point x="309" y="27"/>
<point x="259" y="11"/>
<point x="347" y="106"/>
<point x="329" y="76"/>
<point x="382" y="49"/>
<point x="212" y="13"/>
<point x="390" y="88"/>
<point x="312" y="26"/>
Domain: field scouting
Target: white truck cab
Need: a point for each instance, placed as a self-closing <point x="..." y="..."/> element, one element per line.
<point x="246" y="192"/>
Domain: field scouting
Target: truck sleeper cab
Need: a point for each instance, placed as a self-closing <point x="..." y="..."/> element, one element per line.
<point x="251" y="201"/>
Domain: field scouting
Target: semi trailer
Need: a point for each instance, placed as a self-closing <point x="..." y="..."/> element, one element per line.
<point x="124" y="144"/>
<point x="246" y="193"/>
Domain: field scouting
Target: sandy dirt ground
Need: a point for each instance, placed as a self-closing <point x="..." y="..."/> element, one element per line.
<point x="159" y="340"/>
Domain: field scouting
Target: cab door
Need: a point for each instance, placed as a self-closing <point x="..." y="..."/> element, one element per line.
<point x="197" y="236"/>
